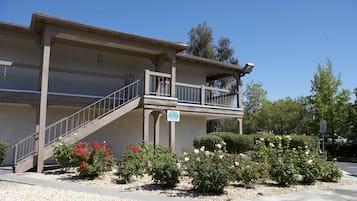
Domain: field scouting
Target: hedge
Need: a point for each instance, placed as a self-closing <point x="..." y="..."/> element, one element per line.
<point x="341" y="149"/>
<point x="236" y="143"/>
<point x="209" y="141"/>
<point x="3" y="150"/>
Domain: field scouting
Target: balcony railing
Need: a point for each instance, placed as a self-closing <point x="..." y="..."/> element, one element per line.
<point x="159" y="84"/>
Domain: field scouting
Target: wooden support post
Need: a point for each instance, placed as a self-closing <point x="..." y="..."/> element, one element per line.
<point x="173" y="76"/>
<point x="157" y="115"/>
<point x="146" y="125"/>
<point x="172" y="137"/>
<point x="43" y="100"/>
<point x="239" y="90"/>
<point x="240" y="121"/>
<point x="203" y="94"/>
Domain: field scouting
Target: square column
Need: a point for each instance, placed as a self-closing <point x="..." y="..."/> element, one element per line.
<point x="43" y="100"/>
<point x="240" y="121"/>
<point x="157" y="115"/>
<point x="173" y="76"/>
<point x="146" y="125"/>
<point x="172" y="135"/>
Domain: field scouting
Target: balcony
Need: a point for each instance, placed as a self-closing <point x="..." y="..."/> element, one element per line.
<point x="159" y="85"/>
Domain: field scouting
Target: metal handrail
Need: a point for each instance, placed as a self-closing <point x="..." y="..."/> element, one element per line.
<point x="69" y="124"/>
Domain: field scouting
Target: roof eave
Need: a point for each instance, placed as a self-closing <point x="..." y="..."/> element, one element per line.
<point x="38" y="19"/>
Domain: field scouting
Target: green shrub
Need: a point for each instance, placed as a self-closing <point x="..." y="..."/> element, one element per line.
<point x="165" y="170"/>
<point x="330" y="172"/>
<point x="210" y="171"/>
<point x="64" y="155"/>
<point x="3" y="150"/>
<point x="236" y="143"/>
<point x="341" y="149"/>
<point x="282" y="168"/>
<point x="95" y="159"/>
<point x="207" y="141"/>
<point x="91" y="159"/>
<point x="311" y="142"/>
<point x="308" y="164"/>
<point x="132" y="163"/>
<point x="248" y="172"/>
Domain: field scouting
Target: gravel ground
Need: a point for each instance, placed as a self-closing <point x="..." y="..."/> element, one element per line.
<point x="184" y="189"/>
<point x="14" y="191"/>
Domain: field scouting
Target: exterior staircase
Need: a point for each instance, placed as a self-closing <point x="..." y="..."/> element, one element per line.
<point x="77" y="126"/>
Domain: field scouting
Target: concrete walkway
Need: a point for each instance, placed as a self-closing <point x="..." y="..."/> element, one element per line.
<point x="342" y="193"/>
<point x="7" y="175"/>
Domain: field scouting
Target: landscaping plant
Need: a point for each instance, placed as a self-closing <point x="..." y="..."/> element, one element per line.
<point x="165" y="169"/>
<point x="64" y="155"/>
<point x="3" y="150"/>
<point x="132" y="163"/>
<point x="91" y="159"/>
<point x="210" y="171"/>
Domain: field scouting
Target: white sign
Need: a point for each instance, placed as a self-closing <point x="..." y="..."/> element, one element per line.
<point x="323" y="125"/>
<point x="173" y="115"/>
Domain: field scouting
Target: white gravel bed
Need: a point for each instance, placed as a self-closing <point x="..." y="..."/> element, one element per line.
<point x="22" y="192"/>
<point x="184" y="188"/>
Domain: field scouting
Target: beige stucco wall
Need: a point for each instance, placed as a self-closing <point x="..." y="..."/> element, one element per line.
<point x="68" y="63"/>
<point x="102" y="78"/>
<point x="16" y="122"/>
<point x="20" y="50"/>
<point x="128" y="130"/>
<point x="19" y="121"/>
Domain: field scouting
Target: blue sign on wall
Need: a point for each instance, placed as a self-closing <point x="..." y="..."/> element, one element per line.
<point x="173" y="115"/>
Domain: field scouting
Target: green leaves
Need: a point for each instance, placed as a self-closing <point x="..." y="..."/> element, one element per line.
<point x="3" y="149"/>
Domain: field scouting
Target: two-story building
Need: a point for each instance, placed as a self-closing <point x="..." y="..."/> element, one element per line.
<point x="64" y="80"/>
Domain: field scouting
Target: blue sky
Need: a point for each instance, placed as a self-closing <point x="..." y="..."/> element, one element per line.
<point x="285" y="39"/>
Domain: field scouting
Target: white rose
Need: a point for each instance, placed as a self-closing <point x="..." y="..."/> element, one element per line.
<point x="178" y="165"/>
<point x="219" y="146"/>
<point x="184" y="153"/>
<point x="220" y="156"/>
<point x="203" y="148"/>
<point x="196" y="151"/>
<point x="236" y="164"/>
<point x="309" y="161"/>
<point x="224" y="143"/>
<point x="207" y="153"/>
<point x="186" y="159"/>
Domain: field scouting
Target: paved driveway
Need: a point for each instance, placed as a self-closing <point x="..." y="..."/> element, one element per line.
<point x="349" y="167"/>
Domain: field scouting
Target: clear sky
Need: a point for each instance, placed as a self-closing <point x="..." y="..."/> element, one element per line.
<point x="286" y="40"/>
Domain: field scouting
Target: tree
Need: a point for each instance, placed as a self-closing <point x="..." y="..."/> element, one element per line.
<point x="224" y="52"/>
<point x="201" y="41"/>
<point x="329" y="102"/>
<point x="284" y="116"/>
<point x="353" y="117"/>
<point x="255" y="97"/>
<point x="201" y="44"/>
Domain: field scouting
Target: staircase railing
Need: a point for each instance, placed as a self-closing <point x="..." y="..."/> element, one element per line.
<point x="67" y="125"/>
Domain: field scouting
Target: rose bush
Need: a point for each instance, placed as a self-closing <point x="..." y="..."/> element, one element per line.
<point x="91" y="159"/>
<point x="132" y="163"/>
<point x="210" y="171"/>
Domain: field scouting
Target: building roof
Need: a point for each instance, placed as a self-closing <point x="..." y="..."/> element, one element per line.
<point x="210" y="62"/>
<point x="40" y="20"/>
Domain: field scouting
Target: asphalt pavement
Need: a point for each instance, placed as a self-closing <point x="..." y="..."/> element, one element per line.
<point x="351" y="168"/>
